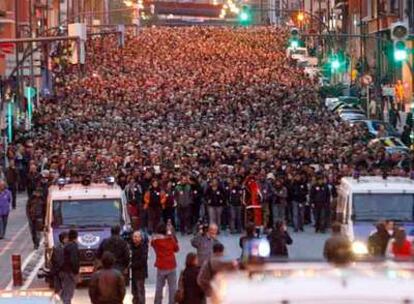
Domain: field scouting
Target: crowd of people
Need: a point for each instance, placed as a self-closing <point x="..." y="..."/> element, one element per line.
<point x="197" y="124"/>
<point x="182" y="117"/>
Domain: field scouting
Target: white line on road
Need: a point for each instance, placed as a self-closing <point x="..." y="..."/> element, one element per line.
<point x="7" y="247"/>
<point x="33" y="274"/>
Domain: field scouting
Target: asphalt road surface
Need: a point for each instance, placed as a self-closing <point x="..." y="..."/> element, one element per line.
<point x="306" y="245"/>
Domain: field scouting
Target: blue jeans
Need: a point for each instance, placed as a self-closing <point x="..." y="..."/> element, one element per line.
<point x="162" y="276"/>
<point x="3" y="225"/>
<point x="298" y="215"/>
<point x="214" y="214"/>
<point x="235" y="218"/>
<point x="278" y="212"/>
<point x="68" y="281"/>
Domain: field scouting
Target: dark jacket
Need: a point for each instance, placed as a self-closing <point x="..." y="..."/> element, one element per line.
<point x="278" y="243"/>
<point x="71" y="258"/>
<point x="12" y="177"/>
<point x="215" y="198"/>
<point x="119" y="248"/>
<point x="35" y="208"/>
<point x="298" y="192"/>
<point x="235" y="196"/>
<point x="377" y="243"/>
<point x="320" y="196"/>
<point x="193" y="294"/>
<point x="57" y="259"/>
<point x="139" y="260"/>
<point x="107" y="286"/>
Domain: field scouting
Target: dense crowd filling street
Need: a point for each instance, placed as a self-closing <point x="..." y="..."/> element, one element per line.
<point x="195" y="124"/>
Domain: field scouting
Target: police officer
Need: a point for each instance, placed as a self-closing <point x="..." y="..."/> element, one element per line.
<point x="319" y="199"/>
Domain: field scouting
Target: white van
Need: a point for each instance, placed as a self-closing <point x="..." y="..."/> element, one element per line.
<point x="365" y="200"/>
<point x="313" y="283"/>
<point x="297" y="53"/>
<point x="92" y="210"/>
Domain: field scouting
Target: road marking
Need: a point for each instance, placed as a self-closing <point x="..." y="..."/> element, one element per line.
<point x="33" y="274"/>
<point x="7" y="247"/>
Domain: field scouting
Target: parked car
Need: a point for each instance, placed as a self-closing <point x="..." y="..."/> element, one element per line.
<point x="352" y="116"/>
<point x="373" y="126"/>
<point x="343" y="106"/>
<point x="336" y="102"/>
<point x="391" y="144"/>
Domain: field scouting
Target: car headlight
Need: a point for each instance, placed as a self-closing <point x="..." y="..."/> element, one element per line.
<point x="359" y="248"/>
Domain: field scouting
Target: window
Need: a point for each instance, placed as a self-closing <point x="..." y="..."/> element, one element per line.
<point x="83" y="213"/>
<point x="374" y="207"/>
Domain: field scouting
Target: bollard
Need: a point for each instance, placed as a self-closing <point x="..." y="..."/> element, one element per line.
<point x="17" y="270"/>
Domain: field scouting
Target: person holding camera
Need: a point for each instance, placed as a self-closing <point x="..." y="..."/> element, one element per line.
<point x="204" y="242"/>
<point x="165" y="246"/>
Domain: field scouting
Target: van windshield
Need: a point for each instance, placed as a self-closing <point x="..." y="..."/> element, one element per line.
<point x="85" y="213"/>
<point x="374" y="207"/>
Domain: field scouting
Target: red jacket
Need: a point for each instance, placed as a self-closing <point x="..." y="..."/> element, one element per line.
<point x="165" y="248"/>
<point x="402" y="252"/>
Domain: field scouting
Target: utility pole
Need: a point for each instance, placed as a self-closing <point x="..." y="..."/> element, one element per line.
<point x="31" y="44"/>
<point x="16" y="26"/>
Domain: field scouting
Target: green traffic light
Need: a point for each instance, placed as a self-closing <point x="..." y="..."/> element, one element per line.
<point x="294" y="44"/>
<point x="335" y="64"/>
<point x="244" y="16"/>
<point x="400" y="51"/>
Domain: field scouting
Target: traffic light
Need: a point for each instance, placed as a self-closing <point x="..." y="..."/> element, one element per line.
<point x="399" y="34"/>
<point x="335" y="64"/>
<point x="294" y="41"/>
<point x="400" y="51"/>
<point x="245" y="15"/>
<point x="301" y="16"/>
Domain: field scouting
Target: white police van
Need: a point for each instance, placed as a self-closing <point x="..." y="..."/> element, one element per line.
<point x="363" y="201"/>
<point x="90" y="208"/>
<point x="311" y="283"/>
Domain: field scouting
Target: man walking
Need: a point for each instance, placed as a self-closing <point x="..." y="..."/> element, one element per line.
<point x="12" y="178"/>
<point x="183" y="195"/>
<point x="118" y="247"/>
<point x="298" y="192"/>
<point x="57" y="261"/>
<point x="165" y="246"/>
<point x="320" y="198"/>
<point x="139" y="267"/>
<point x="5" y="201"/>
<point x="204" y="242"/>
<point x="34" y="213"/>
<point x="107" y="285"/>
<point x="70" y="270"/>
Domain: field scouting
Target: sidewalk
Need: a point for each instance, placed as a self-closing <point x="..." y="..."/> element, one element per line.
<point x="17" y="240"/>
